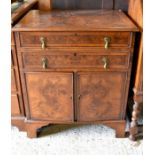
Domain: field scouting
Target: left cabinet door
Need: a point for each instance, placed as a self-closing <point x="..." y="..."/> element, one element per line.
<point x="50" y="96"/>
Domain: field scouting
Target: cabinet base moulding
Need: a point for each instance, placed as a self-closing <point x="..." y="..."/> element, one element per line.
<point x="33" y="126"/>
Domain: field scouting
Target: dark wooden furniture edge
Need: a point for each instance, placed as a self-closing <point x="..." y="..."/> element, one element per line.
<point x="22" y="10"/>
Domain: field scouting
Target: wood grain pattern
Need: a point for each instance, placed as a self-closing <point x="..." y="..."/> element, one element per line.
<point x="13" y="58"/>
<point x="100" y="95"/>
<point x="13" y="81"/>
<point x="12" y="61"/>
<point x="50" y="96"/>
<point x="12" y="40"/>
<point x="135" y="11"/>
<point x="18" y="122"/>
<point x="97" y="20"/>
<point x="45" y="5"/>
<point x="136" y="14"/>
<point x="57" y="39"/>
<point x="75" y="60"/>
<point x="15" y="109"/>
<point x="138" y="85"/>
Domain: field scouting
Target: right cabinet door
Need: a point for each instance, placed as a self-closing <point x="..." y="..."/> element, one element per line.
<point x="100" y="95"/>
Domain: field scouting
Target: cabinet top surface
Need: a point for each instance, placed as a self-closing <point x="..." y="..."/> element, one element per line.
<point x="79" y="20"/>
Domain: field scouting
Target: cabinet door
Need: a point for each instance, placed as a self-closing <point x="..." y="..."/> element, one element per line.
<point x="50" y="96"/>
<point x="100" y="95"/>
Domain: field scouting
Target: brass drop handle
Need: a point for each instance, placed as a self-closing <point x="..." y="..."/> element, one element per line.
<point x="43" y="43"/>
<point x="105" y="62"/>
<point x="44" y="62"/>
<point x="79" y="96"/>
<point x="106" y="42"/>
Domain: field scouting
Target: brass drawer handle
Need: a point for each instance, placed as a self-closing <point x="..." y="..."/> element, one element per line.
<point x="79" y="96"/>
<point x="105" y="62"/>
<point x="44" y="62"/>
<point x="43" y="43"/>
<point x="106" y="42"/>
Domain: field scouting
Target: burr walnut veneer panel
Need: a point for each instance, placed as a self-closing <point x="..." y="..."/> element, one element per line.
<point x="100" y="95"/>
<point x="50" y="95"/>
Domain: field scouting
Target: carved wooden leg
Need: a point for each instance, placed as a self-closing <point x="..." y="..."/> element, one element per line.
<point x="32" y="130"/>
<point x="135" y="115"/>
<point x="120" y="131"/>
<point x="119" y="127"/>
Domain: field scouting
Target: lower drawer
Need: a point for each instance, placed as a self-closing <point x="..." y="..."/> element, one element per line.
<point x="75" y="60"/>
<point x="15" y="107"/>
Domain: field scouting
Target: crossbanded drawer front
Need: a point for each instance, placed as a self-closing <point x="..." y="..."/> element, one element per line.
<point x="79" y="39"/>
<point x="75" y="60"/>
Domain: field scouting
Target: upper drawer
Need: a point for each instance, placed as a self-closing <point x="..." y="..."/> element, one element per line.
<point x="79" y="39"/>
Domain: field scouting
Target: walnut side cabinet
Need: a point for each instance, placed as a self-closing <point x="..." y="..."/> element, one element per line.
<point x="75" y="67"/>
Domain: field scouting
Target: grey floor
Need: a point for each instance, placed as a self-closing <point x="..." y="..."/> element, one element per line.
<point x="74" y="140"/>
